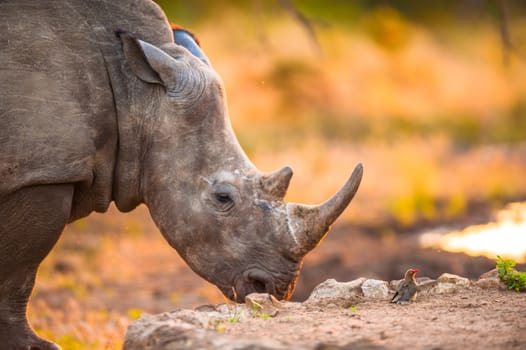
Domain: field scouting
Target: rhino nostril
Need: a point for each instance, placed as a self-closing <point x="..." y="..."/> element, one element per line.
<point x="259" y="286"/>
<point x="260" y="281"/>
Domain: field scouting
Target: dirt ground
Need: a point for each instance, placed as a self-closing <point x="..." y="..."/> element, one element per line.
<point x="111" y="269"/>
<point x="473" y="318"/>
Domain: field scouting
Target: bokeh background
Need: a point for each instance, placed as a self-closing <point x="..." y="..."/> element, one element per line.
<point x="429" y="95"/>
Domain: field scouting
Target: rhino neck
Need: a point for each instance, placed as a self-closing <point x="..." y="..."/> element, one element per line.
<point x="136" y="114"/>
<point x="104" y="17"/>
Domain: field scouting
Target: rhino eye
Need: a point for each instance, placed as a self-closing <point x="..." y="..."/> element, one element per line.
<point x="223" y="197"/>
<point x="223" y="201"/>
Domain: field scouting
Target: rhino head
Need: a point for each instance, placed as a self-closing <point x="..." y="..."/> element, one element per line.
<point x="225" y="218"/>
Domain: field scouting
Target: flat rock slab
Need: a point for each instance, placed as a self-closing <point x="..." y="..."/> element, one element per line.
<point x="467" y="317"/>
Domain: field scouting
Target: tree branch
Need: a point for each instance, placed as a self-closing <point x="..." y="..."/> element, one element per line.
<point x="505" y="36"/>
<point x="305" y="22"/>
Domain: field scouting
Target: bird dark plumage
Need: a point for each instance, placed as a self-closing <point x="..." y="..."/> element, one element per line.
<point x="407" y="290"/>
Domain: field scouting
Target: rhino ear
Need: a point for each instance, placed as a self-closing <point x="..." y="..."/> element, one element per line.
<point x="147" y="61"/>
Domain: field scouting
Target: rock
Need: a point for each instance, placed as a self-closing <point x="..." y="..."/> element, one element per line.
<point x="490" y="274"/>
<point x="393" y="285"/>
<point x="423" y="280"/>
<point x="453" y="279"/>
<point x="206" y="308"/>
<point x="443" y="288"/>
<point x="198" y="319"/>
<point x="425" y="286"/>
<point x="331" y="289"/>
<point x="207" y="326"/>
<point x="490" y="280"/>
<point x="375" y="289"/>
<point x="150" y="332"/>
<point x="262" y="304"/>
<point x="490" y="283"/>
<point x="449" y="283"/>
<point x="167" y="331"/>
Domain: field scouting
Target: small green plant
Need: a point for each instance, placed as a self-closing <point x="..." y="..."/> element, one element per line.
<point x="256" y="311"/>
<point x="515" y="280"/>
<point x="352" y="309"/>
<point x="256" y="308"/>
<point x="218" y="325"/>
<point x="233" y="318"/>
<point x="234" y="314"/>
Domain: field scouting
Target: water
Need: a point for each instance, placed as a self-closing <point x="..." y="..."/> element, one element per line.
<point x="505" y="237"/>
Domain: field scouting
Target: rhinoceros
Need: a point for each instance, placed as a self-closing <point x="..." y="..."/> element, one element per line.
<point x="98" y="104"/>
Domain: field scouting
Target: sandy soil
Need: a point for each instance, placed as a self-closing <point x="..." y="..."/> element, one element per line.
<point x="471" y="319"/>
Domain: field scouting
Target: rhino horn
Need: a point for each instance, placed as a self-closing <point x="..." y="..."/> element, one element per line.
<point x="309" y="223"/>
<point x="276" y="184"/>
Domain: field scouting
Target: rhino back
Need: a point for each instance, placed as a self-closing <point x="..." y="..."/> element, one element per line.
<point x="61" y="88"/>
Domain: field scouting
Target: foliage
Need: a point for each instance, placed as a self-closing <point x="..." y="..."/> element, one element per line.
<point x="70" y="342"/>
<point x="234" y="314"/>
<point x="134" y="314"/>
<point x="256" y="311"/>
<point x="233" y="318"/>
<point x="515" y="280"/>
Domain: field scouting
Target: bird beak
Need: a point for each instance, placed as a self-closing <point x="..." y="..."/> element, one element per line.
<point x="415" y="270"/>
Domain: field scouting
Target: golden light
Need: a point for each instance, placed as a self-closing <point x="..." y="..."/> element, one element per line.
<point x="505" y="237"/>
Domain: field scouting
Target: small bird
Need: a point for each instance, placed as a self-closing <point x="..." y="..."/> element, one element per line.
<point x="407" y="290"/>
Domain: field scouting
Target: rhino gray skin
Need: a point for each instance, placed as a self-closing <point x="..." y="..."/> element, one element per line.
<point x="88" y="117"/>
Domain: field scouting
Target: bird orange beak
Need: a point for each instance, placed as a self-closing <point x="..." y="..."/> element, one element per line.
<point x="415" y="270"/>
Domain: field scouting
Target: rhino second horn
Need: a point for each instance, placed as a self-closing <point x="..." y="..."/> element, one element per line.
<point x="276" y="184"/>
<point x="310" y="223"/>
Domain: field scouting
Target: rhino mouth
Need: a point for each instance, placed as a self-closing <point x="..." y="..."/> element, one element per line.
<point x="252" y="281"/>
